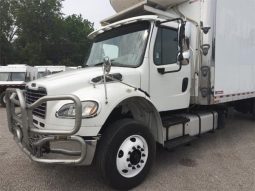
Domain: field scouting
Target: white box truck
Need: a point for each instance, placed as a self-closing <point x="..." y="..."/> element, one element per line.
<point x="15" y="76"/>
<point x="48" y="70"/>
<point x="161" y="71"/>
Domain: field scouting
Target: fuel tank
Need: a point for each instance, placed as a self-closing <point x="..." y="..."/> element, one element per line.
<point x="120" y="5"/>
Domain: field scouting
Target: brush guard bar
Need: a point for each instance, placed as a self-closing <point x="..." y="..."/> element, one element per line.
<point x="21" y="126"/>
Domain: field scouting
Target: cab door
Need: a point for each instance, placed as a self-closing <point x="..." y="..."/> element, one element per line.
<point x="169" y="80"/>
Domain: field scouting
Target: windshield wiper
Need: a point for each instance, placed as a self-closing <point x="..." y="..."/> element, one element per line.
<point x="113" y="63"/>
<point x="99" y="64"/>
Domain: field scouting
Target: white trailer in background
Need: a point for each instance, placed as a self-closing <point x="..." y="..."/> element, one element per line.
<point x="15" y="76"/>
<point x="170" y="70"/>
<point x="48" y="70"/>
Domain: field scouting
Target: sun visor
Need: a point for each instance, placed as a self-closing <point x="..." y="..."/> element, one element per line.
<point x="142" y="8"/>
<point x="120" y="5"/>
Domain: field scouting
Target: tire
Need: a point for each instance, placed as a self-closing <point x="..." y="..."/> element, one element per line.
<point x="122" y="157"/>
<point x="2" y="99"/>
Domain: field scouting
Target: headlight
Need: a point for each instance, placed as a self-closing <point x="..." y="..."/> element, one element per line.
<point x="89" y="109"/>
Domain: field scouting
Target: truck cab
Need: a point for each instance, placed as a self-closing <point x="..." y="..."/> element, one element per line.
<point x="153" y="52"/>
<point x="136" y="70"/>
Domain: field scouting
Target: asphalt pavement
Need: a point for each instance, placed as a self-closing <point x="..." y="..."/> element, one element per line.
<point x="224" y="160"/>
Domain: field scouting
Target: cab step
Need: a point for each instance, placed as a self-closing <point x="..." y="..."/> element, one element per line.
<point x="179" y="141"/>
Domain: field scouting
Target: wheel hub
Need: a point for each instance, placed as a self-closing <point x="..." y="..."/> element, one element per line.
<point x="132" y="156"/>
<point x="135" y="157"/>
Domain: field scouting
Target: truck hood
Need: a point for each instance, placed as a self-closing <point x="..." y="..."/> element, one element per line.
<point x="71" y="81"/>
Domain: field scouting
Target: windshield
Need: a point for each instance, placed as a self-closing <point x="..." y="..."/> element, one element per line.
<point x="18" y="76"/>
<point x="12" y="76"/>
<point x="4" y="76"/>
<point x="125" y="46"/>
<point x="41" y="74"/>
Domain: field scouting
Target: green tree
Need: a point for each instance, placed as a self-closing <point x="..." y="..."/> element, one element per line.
<point x="74" y="43"/>
<point x="36" y="21"/>
<point x="35" y="32"/>
<point x="7" y="31"/>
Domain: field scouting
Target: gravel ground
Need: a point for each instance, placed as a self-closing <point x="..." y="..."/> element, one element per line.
<point x="224" y="160"/>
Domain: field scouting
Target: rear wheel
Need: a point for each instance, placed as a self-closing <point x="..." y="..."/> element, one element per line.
<point x="126" y="153"/>
<point x="2" y="99"/>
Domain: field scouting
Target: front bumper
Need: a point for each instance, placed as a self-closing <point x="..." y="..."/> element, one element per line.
<point x="37" y="143"/>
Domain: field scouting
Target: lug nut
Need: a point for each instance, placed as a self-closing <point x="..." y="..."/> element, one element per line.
<point x="138" y="166"/>
<point x="143" y="155"/>
<point x="133" y="168"/>
<point x="129" y="165"/>
<point x="142" y="149"/>
<point x="121" y="154"/>
<point x="125" y="171"/>
<point x="133" y="139"/>
<point x="142" y="161"/>
<point x="128" y="159"/>
<point x="133" y="148"/>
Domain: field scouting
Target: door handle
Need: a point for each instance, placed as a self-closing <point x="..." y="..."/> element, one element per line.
<point x="161" y="70"/>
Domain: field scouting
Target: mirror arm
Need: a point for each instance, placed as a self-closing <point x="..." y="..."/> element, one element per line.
<point x="158" y="23"/>
<point x="181" y="33"/>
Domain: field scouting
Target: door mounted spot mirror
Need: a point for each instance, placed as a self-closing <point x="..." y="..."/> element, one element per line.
<point x="186" y="58"/>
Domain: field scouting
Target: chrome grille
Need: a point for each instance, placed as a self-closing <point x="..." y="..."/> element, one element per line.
<point x="32" y="96"/>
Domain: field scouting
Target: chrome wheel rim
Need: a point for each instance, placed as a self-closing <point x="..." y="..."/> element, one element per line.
<point x="132" y="156"/>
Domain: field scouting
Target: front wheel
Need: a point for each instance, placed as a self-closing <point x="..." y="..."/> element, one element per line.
<point x="3" y="99"/>
<point x="126" y="153"/>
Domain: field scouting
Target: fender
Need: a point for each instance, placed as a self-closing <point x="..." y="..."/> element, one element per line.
<point x="118" y="94"/>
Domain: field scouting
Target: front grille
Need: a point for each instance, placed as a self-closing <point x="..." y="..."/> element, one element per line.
<point x="32" y="96"/>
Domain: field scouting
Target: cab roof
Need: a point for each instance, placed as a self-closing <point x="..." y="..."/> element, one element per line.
<point x="124" y="22"/>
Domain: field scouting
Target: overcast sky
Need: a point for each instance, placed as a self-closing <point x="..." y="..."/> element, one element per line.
<point x="93" y="10"/>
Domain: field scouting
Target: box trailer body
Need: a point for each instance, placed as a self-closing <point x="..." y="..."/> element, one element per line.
<point x="235" y="32"/>
<point x="160" y="71"/>
<point x="226" y="71"/>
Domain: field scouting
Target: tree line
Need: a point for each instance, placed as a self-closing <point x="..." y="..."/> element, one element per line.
<point x="36" y="32"/>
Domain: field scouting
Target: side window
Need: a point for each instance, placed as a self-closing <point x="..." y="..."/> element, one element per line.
<point x="18" y="76"/>
<point x="166" y="46"/>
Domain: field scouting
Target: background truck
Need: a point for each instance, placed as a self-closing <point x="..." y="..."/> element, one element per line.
<point x="15" y="76"/>
<point x="161" y="71"/>
<point x="48" y="70"/>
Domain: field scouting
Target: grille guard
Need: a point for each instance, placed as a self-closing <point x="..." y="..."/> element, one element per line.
<point x="22" y="127"/>
<point x="34" y="95"/>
